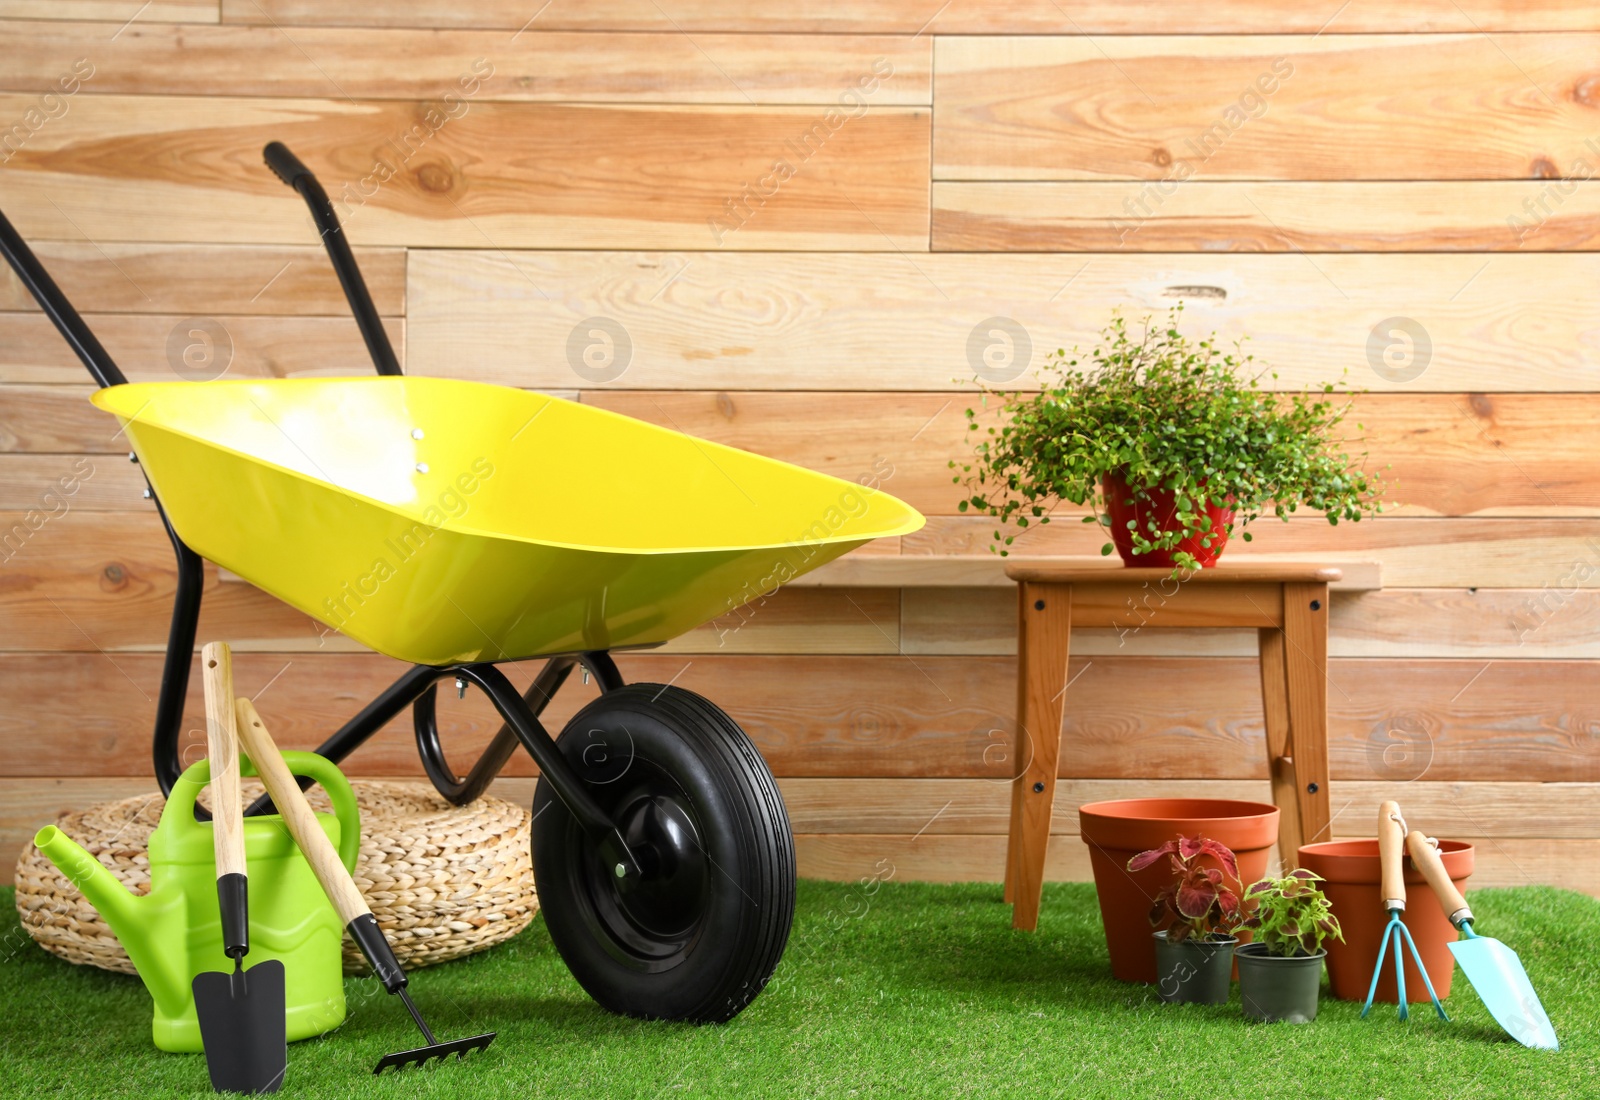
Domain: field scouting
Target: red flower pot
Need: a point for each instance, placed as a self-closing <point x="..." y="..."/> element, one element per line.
<point x="1162" y="507"/>
<point x="1351" y="868"/>
<point x="1117" y="831"/>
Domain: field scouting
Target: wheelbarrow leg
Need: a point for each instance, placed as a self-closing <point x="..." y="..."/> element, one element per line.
<point x="424" y="721"/>
<point x="602" y="668"/>
<point x="175" y="670"/>
<point x="552" y="764"/>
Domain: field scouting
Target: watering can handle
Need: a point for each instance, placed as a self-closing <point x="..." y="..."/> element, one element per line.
<point x="1391" y="853"/>
<point x="1425" y="854"/>
<point x="327" y="776"/>
<point x="180" y="804"/>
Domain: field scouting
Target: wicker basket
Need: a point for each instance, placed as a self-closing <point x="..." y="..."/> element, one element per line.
<point x="443" y="881"/>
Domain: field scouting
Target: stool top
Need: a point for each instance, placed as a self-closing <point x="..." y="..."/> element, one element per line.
<point x="1236" y="571"/>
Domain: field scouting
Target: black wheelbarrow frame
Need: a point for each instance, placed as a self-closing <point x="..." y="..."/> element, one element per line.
<point x="625" y="939"/>
<point x="417" y="686"/>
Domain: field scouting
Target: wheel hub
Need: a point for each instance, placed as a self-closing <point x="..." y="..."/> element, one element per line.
<point x="652" y="894"/>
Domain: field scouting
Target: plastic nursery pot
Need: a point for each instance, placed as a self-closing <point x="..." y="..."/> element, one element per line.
<point x="1351" y="870"/>
<point x="1274" y="989"/>
<point x="1162" y="507"/>
<point x="1117" y="831"/>
<point x="1194" y="972"/>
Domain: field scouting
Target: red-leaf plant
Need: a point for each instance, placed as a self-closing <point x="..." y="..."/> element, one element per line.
<point x="1198" y="899"/>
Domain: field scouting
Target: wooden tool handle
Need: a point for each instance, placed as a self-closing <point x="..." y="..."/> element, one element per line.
<point x="1391" y="852"/>
<point x="299" y="816"/>
<point x="1426" y="856"/>
<point x="222" y="746"/>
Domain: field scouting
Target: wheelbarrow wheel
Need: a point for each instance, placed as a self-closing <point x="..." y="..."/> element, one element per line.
<point x="694" y="929"/>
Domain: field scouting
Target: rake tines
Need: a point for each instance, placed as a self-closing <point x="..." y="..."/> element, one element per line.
<point x="421" y="1055"/>
<point x="435" y="1049"/>
<point x="1397" y="933"/>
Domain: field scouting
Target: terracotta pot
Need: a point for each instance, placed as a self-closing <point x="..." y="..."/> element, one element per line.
<point x="1351" y="868"/>
<point x="1162" y="507"/>
<point x="1117" y="831"/>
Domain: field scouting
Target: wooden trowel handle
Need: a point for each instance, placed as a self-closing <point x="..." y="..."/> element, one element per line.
<point x="298" y="815"/>
<point x="1426" y="857"/>
<point x="227" y="816"/>
<point x="1391" y="854"/>
<point x="223" y="748"/>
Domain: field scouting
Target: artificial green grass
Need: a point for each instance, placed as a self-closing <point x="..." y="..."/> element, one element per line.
<point x="912" y="990"/>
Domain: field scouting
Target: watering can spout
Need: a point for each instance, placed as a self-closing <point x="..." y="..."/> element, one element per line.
<point x="131" y="916"/>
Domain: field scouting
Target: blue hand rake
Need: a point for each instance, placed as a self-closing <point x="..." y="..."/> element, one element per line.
<point x="1391" y="850"/>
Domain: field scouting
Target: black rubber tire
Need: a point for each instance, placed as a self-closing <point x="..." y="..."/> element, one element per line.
<point x="697" y="941"/>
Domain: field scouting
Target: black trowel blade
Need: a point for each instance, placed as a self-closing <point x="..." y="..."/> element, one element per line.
<point x="243" y="1025"/>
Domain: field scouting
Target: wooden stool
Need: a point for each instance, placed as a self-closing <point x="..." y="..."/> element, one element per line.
<point x="1287" y="603"/>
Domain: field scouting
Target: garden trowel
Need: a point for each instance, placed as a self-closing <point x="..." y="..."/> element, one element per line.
<point x="242" y="1020"/>
<point x="1493" y="968"/>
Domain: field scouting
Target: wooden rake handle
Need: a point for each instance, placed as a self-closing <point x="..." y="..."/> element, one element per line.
<point x="1391" y="853"/>
<point x="298" y="815"/>
<point x="318" y="849"/>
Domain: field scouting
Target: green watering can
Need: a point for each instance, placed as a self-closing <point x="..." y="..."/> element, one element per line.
<point x="175" y="931"/>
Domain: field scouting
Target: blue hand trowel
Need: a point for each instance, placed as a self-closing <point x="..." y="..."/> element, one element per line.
<point x="1493" y="968"/>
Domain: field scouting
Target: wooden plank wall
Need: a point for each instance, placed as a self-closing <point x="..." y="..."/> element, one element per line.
<point x="800" y="227"/>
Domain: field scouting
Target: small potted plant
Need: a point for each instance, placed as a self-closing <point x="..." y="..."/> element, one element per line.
<point x="1280" y="973"/>
<point x="1172" y="444"/>
<point x="1194" y="951"/>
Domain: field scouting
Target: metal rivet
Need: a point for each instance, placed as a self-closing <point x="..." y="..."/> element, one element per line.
<point x="147" y="494"/>
<point x="1311" y="788"/>
<point x="133" y="458"/>
<point x="1038" y="605"/>
<point x="422" y="467"/>
<point x="416" y="433"/>
<point x="1316" y="605"/>
<point x="622" y="872"/>
<point x="1038" y="788"/>
<point x="461" y="688"/>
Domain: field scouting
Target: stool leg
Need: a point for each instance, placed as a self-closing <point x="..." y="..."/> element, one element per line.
<point x="1305" y="636"/>
<point x="1021" y="753"/>
<point x="1042" y="651"/>
<point x="1280" y="764"/>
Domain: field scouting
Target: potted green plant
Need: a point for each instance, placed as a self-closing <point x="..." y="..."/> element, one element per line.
<point x="1199" y="909"/>
<point x="1172" y="443"/>
<point x="1280" y="973"/>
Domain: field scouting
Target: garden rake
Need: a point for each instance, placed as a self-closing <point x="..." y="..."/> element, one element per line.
<point x="341" y="889"/>
<point x="1391" y="850"/>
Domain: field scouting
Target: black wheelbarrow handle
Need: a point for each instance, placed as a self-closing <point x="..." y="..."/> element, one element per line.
<point x="292" y="171"/>
<point x="56" y="307"/>
<point x="284" y="164"/>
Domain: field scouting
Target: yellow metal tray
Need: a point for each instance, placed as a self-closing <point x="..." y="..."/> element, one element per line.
<point x="442" y="521"/>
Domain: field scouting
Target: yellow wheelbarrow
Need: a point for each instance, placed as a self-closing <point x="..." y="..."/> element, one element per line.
<point x="455" y="525"/>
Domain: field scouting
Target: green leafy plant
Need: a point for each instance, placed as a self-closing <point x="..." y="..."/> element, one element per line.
<point x="1198" y="900"/>
<point x="1165" y="413"/>
<point x="1292" y="916"/>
